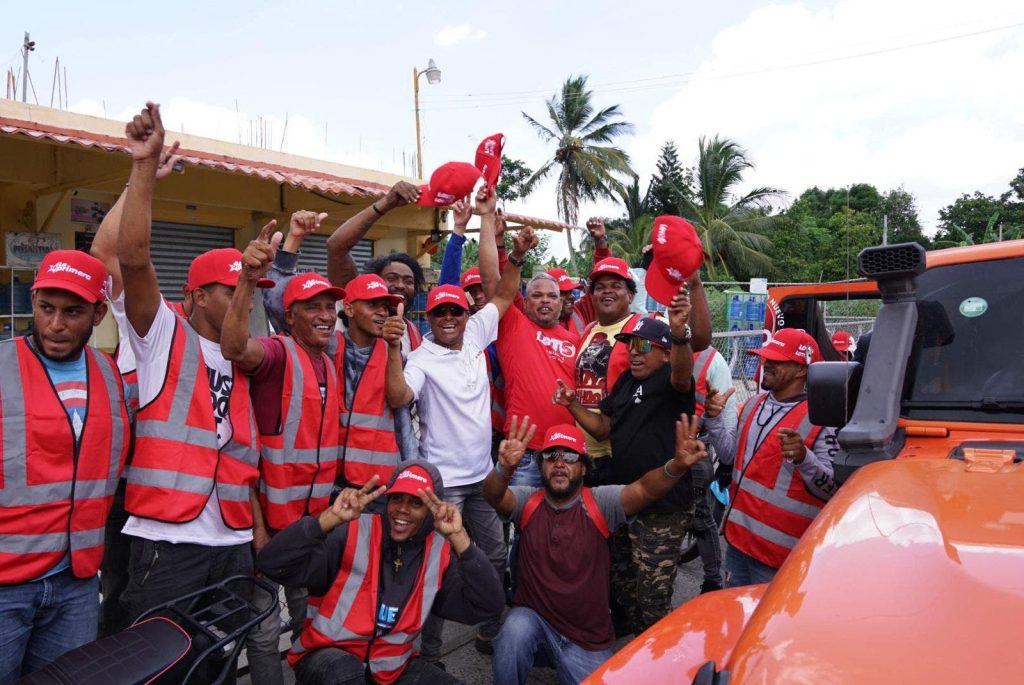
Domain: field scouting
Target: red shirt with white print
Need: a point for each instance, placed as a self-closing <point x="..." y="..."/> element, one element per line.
<point x="532" y="358"/>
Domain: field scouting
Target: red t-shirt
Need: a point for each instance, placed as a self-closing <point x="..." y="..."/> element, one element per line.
<point x="266" y="384"/>
<point x="531" y="359"/>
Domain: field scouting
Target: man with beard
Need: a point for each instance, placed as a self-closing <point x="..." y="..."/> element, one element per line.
<point x="782" y="464"/>
<point x="66" y="435"/>
<point x="560" y="613"/>
<point x="294" y="389"/>
<point x="374" y="578"/>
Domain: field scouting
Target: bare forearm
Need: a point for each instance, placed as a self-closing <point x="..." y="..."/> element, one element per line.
<point x="488" y="256"/>
<point x="341" y="268"/>
<point x="104" y="244"/>
<point x="651" y="487"/>
<point x="598" y="425"/>
<point x="681" y="359"/>
<point x="133" y="248"/>
<point x="700" y="315"/>
<point x="508" y="286"/>
<point x="235" y="342"/>
<point x="496" y="493"/>
<point x="398" y="391"/>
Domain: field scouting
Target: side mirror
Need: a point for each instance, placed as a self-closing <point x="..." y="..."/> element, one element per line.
<point x="832" y="389"/>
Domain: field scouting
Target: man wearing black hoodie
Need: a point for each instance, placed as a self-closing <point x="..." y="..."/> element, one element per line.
<point x="418" y="557"/>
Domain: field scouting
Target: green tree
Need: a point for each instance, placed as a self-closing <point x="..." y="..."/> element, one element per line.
<point x="733" y="228"/>
<point x="968" y="213"/>
<point x="900" y="208"/>
<point x="628" y="240"/>
<point x="671" y="184"/>
<point x="589" y="165"/>
<point x="514" y="174"/>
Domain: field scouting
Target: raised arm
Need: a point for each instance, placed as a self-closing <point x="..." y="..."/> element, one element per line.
<point x="451" y="264"/>
<point x="104" y="243"/>
<point x="681" y="356"/>
<point x="302" y="223"/>
<point x="397" y="390"/>
<point x="341" y="268"/>
<point x="145" y="138"/>
<point x="235" y="342"/>
<point x="657" y="482"/>
<point x="504" y="293"/>
<point x="510" y="453"/>
<point x="598" y="425"/>
<point x="700" y="314"/>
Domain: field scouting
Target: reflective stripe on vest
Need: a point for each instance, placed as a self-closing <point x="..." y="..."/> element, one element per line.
<point x="702" y="362"/>
<point x="345" y="616"/>
<point x="299" y="464"/>
<point x="177" y="461"/>
<point x="771" y="507"/>
<point x="415" y="337"/>
<point x="577" y="324"/>
<point x="366" y="430"/>
<point x="55" y="495"/>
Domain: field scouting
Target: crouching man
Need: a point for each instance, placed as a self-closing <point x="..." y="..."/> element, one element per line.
<point x="560" y="613"/>
<point x="374" y="578"/>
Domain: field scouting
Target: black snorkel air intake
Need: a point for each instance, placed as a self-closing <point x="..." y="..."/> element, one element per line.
<point x="869" y="434"/>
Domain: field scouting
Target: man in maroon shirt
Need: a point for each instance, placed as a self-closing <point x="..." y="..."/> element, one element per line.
<point x="560" y="613"/>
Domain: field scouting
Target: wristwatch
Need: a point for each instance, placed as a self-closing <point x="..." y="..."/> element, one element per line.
<point x="684" y="339"/>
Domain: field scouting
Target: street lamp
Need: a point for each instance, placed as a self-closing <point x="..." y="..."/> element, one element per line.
<point x="433" y="76"/>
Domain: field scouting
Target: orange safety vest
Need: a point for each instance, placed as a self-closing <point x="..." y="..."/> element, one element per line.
<point x="701" y="363"/>
<point x="131" y="378"/>
<point x="55" y="495"/>
<point x="298" y="465"/>
<point x="366" y="430"/>
<point x="345" y="616"/>
<point x="177" y="461"/>
<point x="771" y="508"/>
<point x="618" y="360"/>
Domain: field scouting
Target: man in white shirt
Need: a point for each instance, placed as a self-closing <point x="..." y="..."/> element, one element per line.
<point x="447" y="377"/>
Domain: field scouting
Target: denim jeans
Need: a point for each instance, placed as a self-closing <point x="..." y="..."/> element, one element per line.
<point x="527" y="640"/>
<point x="743" y="569"/>
<point x="262" y="645"/>
<point x="333" y="666"/>
<point x="43" y="619"/>
<point x="484" y="528"/>
<point x="528" y="471"/>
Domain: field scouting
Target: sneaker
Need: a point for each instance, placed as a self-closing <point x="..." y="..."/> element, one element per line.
<point x="484" y="645"/>
<point x="708" y="586"/>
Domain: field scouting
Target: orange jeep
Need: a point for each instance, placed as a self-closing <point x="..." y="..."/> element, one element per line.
<point x="914" y="571"/>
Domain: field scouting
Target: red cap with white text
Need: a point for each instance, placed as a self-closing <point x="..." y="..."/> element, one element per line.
<point x="74" y="271"/>
<point x="676" y="254"/>
<point x="470" y="276"/>
<point x="223" y="266"/>
<point x="410" y="480"/>
<point x="304" y="287"/>
<point x="790" y="345"/>
<point x="566" y="283"/>
<point x="565" y="435"/>
<point x="370" y="287"/>
<point x="447" y="294"/>
<point x="449" y="182"/>
<point x="613" y="266"/>
<point x="488" y="158"/>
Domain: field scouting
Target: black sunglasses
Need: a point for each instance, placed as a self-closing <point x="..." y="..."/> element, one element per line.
<point x="567" y="456"/>
<point x="448" y="310"/>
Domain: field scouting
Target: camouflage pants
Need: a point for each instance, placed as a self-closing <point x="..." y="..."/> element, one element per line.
<point x="644" y="562"/>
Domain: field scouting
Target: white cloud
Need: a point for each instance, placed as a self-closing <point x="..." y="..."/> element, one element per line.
<point x="453" y="35"/>
<point x="941" y="119"/>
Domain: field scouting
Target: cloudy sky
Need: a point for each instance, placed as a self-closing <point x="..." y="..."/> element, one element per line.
<point x="926" y="95"/>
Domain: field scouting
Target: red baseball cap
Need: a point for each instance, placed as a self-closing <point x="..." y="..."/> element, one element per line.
<point x="223" y="265"/>
<point x="410" y="480"/>
<point x="370" y="287"/>
<point x="565" y="435"/>
<point x="75" y="271"/>
<point x="842" y="341"/>
<point x="307" y="286"/>
<point x="566" y="282"/>
<point x="449" y="182"/>
<point x="613" y="266"/>
<point x="676" y="254"/>
<point x="790" y="345"/>
<point x="447" y="294"/>
<point x="488" y="158"/>
<point x="470" y="276"/>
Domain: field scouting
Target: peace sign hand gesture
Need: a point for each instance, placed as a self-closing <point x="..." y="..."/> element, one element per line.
<point x="349" y="505"/>
<point x="447" y="519"/>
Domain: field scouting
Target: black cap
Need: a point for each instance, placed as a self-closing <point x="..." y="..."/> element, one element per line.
<point x="649" y="328"/>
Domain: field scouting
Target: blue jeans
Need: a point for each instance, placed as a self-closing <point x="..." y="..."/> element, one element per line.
<point x="526" y="640"/>
<point x="743" y="569"/>
<point x="528" y="472"/>
<point x="42" y="619"/>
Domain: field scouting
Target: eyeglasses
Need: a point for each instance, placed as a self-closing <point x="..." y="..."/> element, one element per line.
<point x="640" y="345"/>
<point x="565" y="455"/>
<point x="448" y="310"/>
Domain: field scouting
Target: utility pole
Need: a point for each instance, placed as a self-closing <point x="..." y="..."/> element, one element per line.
<point x="885" y="229"/>
<point x="29" y="46"/>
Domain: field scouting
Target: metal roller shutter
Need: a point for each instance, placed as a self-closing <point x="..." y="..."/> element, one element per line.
<point x="313" y="254"/>
<point x="174" y="246"/>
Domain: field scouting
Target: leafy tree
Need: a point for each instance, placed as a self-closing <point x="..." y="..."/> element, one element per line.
<point x="970" y="214"/>
<point x="671" y="184"/>
<point x="628" y="242"/>
<point x="589" y="165"/>
<point x="514" y="174"/>
<point x="904" y="226"/>
<point x="732" y="228"/>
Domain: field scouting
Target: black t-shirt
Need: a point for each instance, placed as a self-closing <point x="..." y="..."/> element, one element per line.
<point x="643" y="437"/>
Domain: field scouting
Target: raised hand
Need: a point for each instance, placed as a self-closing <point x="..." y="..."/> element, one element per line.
<point x="596" y="229"/>
<point x="792" y="445"/>
<point x="401" y="194"/>
<point x="564" y="395"/>
<point x="447" y="518"/>
<point x="714" y="401"/>
<point x="394" y="327"/>
<point x="145" y="134"/>
<point x="513" y="447"/>
<point x="304" y="222"/>
<point x="524" y="241"/>
<point x="349" y="504"/>
<point x="462" y="212"/>
<point x="689" y="450"/>
<point x="679" y="311"/>
<point x="259" y="254"/>
<point x="500" y="226"/>
<point x="168" y="160"/>
<point x="486" y="201"/>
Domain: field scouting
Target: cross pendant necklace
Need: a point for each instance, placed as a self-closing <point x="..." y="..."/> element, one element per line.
<point x="398" y="560"/>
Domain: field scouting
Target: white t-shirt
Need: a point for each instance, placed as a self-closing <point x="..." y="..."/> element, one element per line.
<point x="151" y="354"/>
<point x="454" y="399"/>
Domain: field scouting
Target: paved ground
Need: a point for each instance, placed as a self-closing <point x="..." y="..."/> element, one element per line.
<point x="463" y="661"/>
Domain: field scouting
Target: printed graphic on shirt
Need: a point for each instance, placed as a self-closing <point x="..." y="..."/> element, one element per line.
<point x="73" y="395"/>
<point x="557" y="349"/>
<point x="592" y="370"/>
<point x="386" y="616"/>
<point x="220" y="393"/>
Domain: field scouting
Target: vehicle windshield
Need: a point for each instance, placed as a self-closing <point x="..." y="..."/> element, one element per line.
<point x="966" y="363"/>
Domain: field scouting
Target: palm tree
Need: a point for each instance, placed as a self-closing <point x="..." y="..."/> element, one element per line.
<point x="731" y="228"/>
<point x="628" y="236"/>
<point x="588" y="163"/>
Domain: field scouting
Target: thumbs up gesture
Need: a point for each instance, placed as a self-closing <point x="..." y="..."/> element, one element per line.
<point x="259" y="254"/>
<point x="394" y="328"/>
